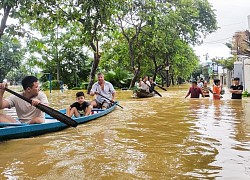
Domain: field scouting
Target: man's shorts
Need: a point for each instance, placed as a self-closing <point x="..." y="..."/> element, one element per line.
<point x="103" y="105"/>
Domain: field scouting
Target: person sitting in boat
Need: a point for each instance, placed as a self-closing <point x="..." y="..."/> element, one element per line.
<point x="205" y="89"/>
<point x="152" y="85"/>
<point x="195" y="91"/>
<point x="145" y="84"/>
<point x="80" y="107"/>
<point x="104" y="91"/>
<point x="26" y="112"/>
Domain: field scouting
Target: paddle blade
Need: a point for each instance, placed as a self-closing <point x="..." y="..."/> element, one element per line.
<point x="162" y="88"/>
<point x="57" y="115"/>
<point x="157" y="93"/>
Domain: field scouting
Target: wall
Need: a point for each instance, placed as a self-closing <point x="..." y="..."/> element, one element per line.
<point x="246" y="72"/>
<point x="238" y="71"/>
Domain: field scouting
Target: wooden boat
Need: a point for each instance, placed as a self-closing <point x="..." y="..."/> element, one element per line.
<point x="143" y="94"/>
<point x="15" y="131"/>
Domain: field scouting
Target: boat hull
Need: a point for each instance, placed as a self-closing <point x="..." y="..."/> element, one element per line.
<point x="144" y="94"/>
<point x="50" y="125"/>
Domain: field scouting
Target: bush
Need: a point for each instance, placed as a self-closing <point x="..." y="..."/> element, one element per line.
<point x="246" y="94"/>
<point x="54" y="84"/>
<point x="84" y="85"/>
<point x="76" y="88"/>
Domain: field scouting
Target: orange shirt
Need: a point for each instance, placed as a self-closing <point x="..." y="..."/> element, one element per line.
<point x="216" y="90"/>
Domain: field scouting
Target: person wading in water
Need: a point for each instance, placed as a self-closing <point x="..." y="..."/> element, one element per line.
<point x="195" y="91"/>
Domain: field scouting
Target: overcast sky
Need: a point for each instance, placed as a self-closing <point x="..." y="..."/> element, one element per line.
<point x="231" y="17"/>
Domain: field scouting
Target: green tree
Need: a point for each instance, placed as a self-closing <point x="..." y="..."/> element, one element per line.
<point x="153" y="31"/>
<point x="11" y="54"/>
<point x="88" y="18"/>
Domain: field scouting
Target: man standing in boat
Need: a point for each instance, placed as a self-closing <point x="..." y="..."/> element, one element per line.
<point x="26" y="112"/>
<point x="103" y="90"/>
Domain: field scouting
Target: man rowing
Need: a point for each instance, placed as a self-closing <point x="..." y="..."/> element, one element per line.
<point x="104" y="91"/>
<point x="145" y="84"/>
<point x="26" y="112"/>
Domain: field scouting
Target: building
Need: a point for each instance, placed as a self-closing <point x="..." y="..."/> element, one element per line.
<point x="241" y="48"/>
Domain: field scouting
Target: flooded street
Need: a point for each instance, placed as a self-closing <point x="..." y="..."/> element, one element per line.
<point x="154" y="138"/>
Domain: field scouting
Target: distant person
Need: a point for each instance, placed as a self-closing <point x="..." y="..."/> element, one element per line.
<point x="102" y="89"/>
<point x="152" y="85"/>
<point x="137" y="83"/>
<point x="65" y="87"/>
<point x="79" y="108"/>
<point x="217" y="90"/>
<point x="145" y="84"/>
<point x="200" y="83"/>
<point x="26" y="112"/>
<point x="236" y="89"/>
<point x="195" y="91"/>
<point x="206" y="90"/>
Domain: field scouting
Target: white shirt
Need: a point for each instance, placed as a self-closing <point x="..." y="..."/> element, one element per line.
<point x="106" y="92"/>
<point x="25" y="111"/>
<point x="200" y="84"/>
<point x="145" y="85"/>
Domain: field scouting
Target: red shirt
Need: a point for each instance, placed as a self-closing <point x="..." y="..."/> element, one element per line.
<point x="195" y="92"/>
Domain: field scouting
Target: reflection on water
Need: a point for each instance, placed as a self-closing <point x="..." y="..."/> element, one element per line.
<point x="155" y="138"/>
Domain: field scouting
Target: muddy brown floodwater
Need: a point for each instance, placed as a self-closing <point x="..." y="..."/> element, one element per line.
<point x="155" y="138"/>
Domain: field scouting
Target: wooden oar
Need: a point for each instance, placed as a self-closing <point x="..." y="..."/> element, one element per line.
<point x="161" y="87"/>
<point x="109" y="99"/>
<point x="52" y="112"/>
<point x="153" y="90"/>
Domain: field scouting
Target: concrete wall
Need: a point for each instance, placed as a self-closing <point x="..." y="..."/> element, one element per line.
<point x="229" y="78"/>
<point x="238" y="71"/>
<point x="242" y="71"/>
<point x="246" y="73"/>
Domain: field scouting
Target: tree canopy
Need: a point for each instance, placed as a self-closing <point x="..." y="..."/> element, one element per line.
<point x="143" y="37"/>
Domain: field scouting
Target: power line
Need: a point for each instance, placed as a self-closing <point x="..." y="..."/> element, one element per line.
<point x="217" y="41"/>
<point x="233" y="24"/>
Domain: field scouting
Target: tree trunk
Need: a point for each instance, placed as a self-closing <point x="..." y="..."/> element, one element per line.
<point x="93" y="71"/>
<point x="136" y="74"/>
<point x="162" y="80"/>
<point x="172" y="79"/>
<point x="95" y="64"/>
<point x="58" y="72"/>
<point x="4" y="19"/>
<point x="132" y="59"/>
<point x="155" y="68"/>
<point x="167" y="73"/>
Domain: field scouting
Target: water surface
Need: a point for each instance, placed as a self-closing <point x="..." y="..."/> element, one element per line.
<point x="155" y="138"/>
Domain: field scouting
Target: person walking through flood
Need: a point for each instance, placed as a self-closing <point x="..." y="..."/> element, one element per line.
<point x="217" y="90"/>
<point x="195" y="91"/>
<point x="206" y="90"/>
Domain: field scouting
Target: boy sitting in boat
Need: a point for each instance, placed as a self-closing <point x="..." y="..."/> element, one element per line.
<point x="80" y="107"/>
